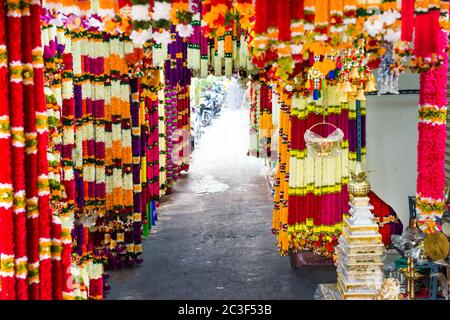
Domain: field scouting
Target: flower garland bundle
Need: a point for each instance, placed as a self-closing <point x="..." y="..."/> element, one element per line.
<point x="98" y="105"/>
<point x="281" y="183"/>
<point x="140" y="13"/>
<point x="204" y="56"/>
<point x="171" y="128"/>
<point x="184" y="128"/>
<point x="53" y="92"/>
<point x="322" y="17"/>
<point x="244" y="12"/>
<point x="116" y="186"/>
<point x="194" y="42"/>
<point x="45" y="214"/>
<point x="153" y="149"/>
<point x="83" y="102"/>
<point x="161" y="21"/>
<point x="215" y="16"/>
<point x="162" y="116"/>
<point x="127" y="156"/>
<point x="68" y="178"/>
<point x="336" y="21"/>
<point x="444" y="19"/>
<point x="27" y="247"/>
<point x="429" y="18"/>
<point x="430" y="202"/>
<point x="265" y="123"/>
<point x="7" y="218"/>
<point x="260" y="40"/>
<point x="135" y="248"/>
<point x="149" y="120"/>
<point x="318" y="198"/>
<point x="228" y="52"/>
<point x="426" y="27"/>
<point x="181" y="16"/>
<point x="407" y="20"/>
<point x="253" y="128"/>
<point x="87" y="126"/>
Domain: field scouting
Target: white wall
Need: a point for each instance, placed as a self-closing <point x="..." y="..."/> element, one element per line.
<point x="392" y="146"/>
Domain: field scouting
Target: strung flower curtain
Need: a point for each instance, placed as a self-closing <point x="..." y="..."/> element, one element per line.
<point x="27" y="227"/>
<point x="311" y="196"/>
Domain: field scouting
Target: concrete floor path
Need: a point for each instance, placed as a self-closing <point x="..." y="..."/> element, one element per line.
<point x="213" y="238"/>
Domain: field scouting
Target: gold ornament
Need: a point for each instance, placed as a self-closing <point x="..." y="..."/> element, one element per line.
<point x="359" y="186"/>
<point x="370" y="86"/>
<point x="360" y="96"/>
<point x="354" y="73"/>
<point x="411" y="275"/>
<point x="347" y="87"/>
<point x="436" y="246"/>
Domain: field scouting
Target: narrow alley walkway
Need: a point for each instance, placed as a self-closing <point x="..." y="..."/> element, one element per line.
<point x="213" y="238"/>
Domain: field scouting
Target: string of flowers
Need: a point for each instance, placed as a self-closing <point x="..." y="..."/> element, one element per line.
<point x="181" y="17"/>
<point x="24" y="149"/>
<point x="194" y="42"/>
<point x="140" y="13"/>
<point x="45" y="213"/>
<point x="281" y="181"/>
<point x="7" y="217"/>
<point x="68" y="178"/>
<point x="162" y="132"/>
<point x="161" y="15"/>
<point x="53" y="92"/>
<point x="318" y="198"/>
<point x="430" y="202"/>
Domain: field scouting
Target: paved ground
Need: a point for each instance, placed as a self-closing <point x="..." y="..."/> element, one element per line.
<point x="213" y="239"/>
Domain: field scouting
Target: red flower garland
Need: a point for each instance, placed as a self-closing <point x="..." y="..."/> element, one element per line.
<point x="7" y="289"/>
<point x="431" y="144"/>
<point x="284" y="24"/>
<point x="31" y="162"/>
<point x="407" y="20"/>
<point x="261" y="23"/>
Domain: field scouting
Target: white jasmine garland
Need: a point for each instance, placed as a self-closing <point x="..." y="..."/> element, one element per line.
<point x="392" y="35"/>
<point x="116" y="131"/>
<point x="163" y="37"/>
<point x="108" y="140"/>
<point x="373" y="27"/>
<point x="184" y="31"/>
<point x="309" y="27"/>
<point x="389" y="17"/>
<point x="140" y="37"/>
<point x="140" y="12"/>
<point x="322" y="37"/>
<point x="161" y="11"/>
<point x="68" y="136"/>
<point x="126" y="138"/>
<point x="117" y="178"/>
<point x="128" y="181"/>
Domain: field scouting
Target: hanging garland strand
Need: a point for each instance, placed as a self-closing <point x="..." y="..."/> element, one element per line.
<point x="7" y="179"/>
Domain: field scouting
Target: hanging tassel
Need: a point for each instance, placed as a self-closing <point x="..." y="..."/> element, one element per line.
<point x="316" y="94"/>
<point x="332" y="74"/>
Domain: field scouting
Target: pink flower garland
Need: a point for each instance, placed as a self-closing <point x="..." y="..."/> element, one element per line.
<point x="431" y="146"/>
